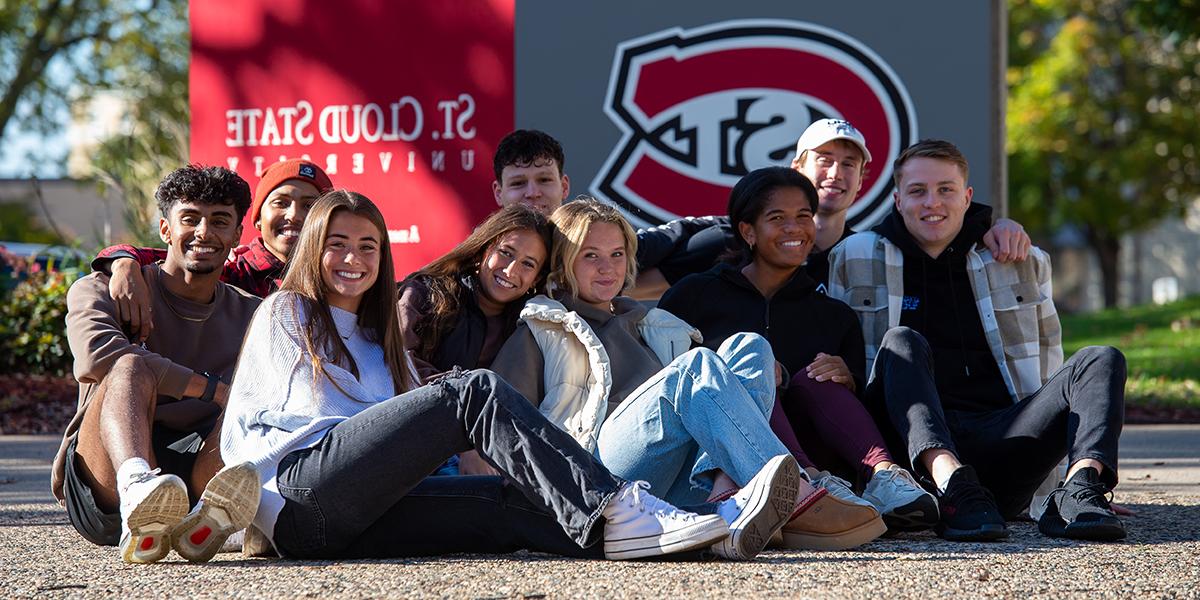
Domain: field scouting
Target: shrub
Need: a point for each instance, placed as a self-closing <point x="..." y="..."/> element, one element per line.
<point x="33" y="320"/>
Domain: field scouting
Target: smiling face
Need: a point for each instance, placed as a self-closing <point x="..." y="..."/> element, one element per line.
<point x="782" y="236"/>
<point x="509" y="269"/>
<point x="601" y="264"/>
<point x="199" y="236"/>
<point x="350" y="259"/>
<point x="283" y="214"/>
<point x="539" y="185"/>
<point x="836" y="168"/>
<point x="932" y="198"/>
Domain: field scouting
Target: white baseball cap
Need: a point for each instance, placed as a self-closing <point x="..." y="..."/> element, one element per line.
<point x="826" y="130"/>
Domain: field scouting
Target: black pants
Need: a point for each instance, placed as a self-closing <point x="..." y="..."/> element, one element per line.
<point x="1078" y="414"/>
<point x="363" y="490"/>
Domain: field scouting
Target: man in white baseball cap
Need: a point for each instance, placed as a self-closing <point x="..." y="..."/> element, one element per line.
<point x="833" y="154"/>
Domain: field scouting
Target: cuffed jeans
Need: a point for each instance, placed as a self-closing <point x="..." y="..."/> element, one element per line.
<point x="363" y="490"/>
<point x="705" y="411"/>
<point x="1078" y="414"/>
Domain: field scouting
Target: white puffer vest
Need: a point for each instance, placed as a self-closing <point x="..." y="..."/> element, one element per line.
<point x="577" y="377"/>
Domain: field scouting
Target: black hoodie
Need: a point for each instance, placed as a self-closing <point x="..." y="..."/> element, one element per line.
<point x="939" y="303"/>
<point x="799" y="321"/>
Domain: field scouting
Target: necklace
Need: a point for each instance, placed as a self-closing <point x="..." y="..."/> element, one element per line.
<point x="166" y="296"/>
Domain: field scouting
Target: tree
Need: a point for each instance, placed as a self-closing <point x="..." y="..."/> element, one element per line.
<point x="1103" y="130"/>
<point x="138" y="47"/>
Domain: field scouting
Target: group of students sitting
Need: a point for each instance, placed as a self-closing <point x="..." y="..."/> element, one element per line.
<point x="513" y="394"/>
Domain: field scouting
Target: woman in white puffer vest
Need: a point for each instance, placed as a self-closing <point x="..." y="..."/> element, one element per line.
<point x="624" y="381"/>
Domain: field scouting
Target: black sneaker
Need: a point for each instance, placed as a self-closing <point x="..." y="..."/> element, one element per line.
<point x="968" y="510"/>
<point x="1080" y="509"/>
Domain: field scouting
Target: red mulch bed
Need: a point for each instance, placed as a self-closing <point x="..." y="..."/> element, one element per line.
<point x="45" y="404"/>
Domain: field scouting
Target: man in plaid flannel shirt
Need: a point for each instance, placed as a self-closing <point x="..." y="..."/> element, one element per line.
<point x="282" y="198"/>
<point x="967" y="364"/>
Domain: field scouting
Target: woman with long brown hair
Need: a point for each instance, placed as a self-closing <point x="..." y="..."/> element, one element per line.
<point x="459" y="309"/>
<point x="325" y="405"/>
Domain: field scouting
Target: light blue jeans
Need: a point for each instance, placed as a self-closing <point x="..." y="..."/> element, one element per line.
<point x="704" y="411"/>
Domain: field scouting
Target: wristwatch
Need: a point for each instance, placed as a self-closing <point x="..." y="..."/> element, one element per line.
<point x="210" y="389"/>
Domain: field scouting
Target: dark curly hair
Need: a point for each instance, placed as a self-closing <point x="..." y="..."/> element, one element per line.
<point x="525" y="146"/>
<point x="203" y="185"/>
<point x="749" y="198"/>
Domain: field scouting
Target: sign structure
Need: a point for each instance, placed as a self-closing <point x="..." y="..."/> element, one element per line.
<point x="403" y="102"/>
<point x="699" y="108"/>
<point x="661" y="114"/>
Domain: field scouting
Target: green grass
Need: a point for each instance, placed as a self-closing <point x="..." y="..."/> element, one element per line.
<point x="1161" y="345"/>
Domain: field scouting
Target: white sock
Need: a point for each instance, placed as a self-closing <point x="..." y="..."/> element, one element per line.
<point x="128" y="469"/>
<point x="942" y="483"/>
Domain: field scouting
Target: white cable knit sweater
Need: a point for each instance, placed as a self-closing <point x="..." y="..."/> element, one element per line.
<point x="274" y="405"/>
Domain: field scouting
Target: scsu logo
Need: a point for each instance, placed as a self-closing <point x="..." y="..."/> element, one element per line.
<point x="699" y="108"/>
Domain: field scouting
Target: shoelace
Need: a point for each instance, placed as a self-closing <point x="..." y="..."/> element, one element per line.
<point x="632" y="494"/>
<point x="1093" y="494"/>
<point x="827" y="479"/>
<point x="142" y="477"/>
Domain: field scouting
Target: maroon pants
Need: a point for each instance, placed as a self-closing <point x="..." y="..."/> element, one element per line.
<point x="835" y="426"/>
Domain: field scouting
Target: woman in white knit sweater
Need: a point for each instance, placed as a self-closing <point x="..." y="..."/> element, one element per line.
<point x="325" y="405"/>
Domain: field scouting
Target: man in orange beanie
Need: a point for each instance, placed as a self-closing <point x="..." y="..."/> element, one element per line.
<point x="281" y="202"/>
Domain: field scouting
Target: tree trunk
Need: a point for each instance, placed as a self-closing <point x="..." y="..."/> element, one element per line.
<point x="1108" y="251"/>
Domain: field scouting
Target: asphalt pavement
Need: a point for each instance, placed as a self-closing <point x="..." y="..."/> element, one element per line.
<point x="42" y="556"/>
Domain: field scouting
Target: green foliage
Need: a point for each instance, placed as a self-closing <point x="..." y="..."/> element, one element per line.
<point x="1103" y="123"/>
<point x="18" y="225"/>
<point x="33" y="324"/>
<point x="1161" y="345"/>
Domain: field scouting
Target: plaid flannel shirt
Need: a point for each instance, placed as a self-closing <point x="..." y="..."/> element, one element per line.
<point x="252" y="267"/>
<point x="1015" y="304"/>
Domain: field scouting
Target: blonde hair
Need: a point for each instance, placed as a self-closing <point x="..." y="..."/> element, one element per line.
<point x="572" y="221"/>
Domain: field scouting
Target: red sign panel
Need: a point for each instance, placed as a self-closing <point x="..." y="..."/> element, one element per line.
<point x="402" y="101"/>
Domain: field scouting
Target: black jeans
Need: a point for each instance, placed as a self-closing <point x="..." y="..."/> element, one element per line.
<point x="1077" y="413"/>
<point x="363" y="490"/>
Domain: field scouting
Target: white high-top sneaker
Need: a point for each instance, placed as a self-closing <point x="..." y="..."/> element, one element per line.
<point x="760" y="509"/>
<point x="151" y="505"/>
<point x="638" y="525"/>
<point x="228" y="505"/>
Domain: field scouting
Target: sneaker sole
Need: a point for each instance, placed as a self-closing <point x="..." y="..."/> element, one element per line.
<point x="1095" y="531"/>
<point x="152" y="521"/>
<point x="766" y="512"/>
<point x="986" y="533"/>
<point x="227" y="506"/>
<point x="706" y="531"/>
<point x="918" y="515"/>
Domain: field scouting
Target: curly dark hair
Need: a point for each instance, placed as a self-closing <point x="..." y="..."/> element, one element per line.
<point x="203" y="185"/>
<point x="523" y="147"/>
<point x="749" y="198"/>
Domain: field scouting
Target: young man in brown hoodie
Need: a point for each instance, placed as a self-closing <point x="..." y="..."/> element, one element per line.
<point x="145" y="436"/>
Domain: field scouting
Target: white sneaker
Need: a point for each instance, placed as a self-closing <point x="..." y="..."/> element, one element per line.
<point x="228" y="505"/>
<point x="638" y="525"/>
<point x="234" y="543"/>
<point x="151" y="505"/>
<point x="836" y="486"/>
<point x="904" y="504"/>
<point x="760" y="509"/>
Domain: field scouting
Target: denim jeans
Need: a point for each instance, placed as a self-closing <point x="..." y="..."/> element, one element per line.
<point x="1077" y="414"/>
<point x="363" y="490"/>
<point x="704" y="411"/>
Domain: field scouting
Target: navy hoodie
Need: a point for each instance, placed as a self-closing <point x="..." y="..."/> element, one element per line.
<point x="798" y="320"/>
<point x="939" y="303"/>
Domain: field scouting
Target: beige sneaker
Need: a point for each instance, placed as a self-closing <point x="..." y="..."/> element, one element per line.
<point x="227" y="506"/>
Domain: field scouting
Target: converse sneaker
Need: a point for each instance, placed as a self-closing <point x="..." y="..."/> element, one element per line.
<point x="1080" y="509"/>
<point x="760" y="509"/>
<point x="151" y="504"/>
<point x="968" y="510"/>
<point x="903" y="503"/>
<point x="228" y="505"/>
<point x="638" y="525"/>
